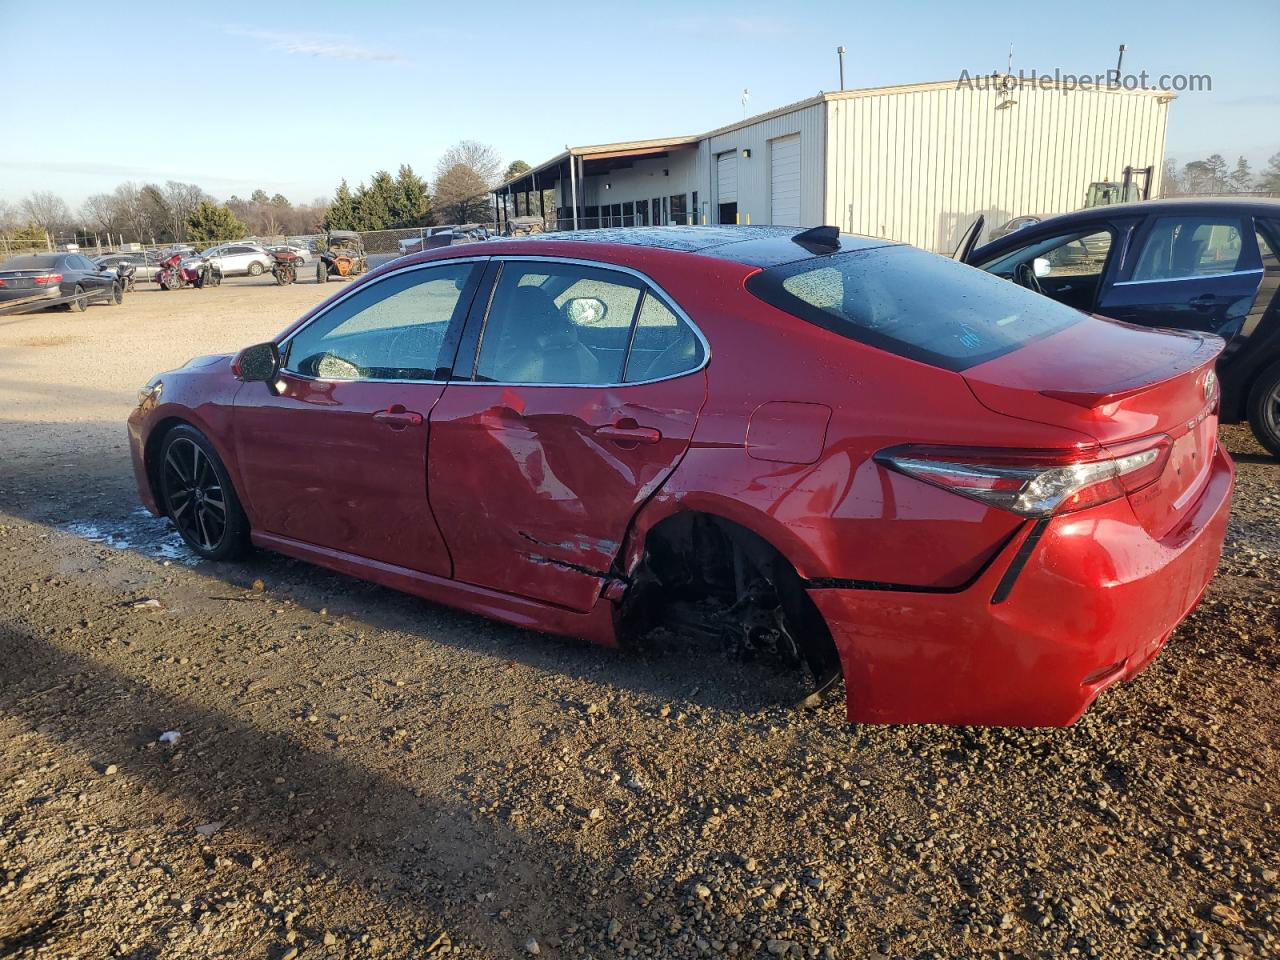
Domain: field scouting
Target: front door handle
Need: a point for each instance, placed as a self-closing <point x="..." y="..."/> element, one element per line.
<point x="397" y="417"/>
<point x="1204" y="302"/>
<point x="627" y="433"/>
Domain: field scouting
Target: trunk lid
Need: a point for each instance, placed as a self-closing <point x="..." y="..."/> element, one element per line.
<point x="1119" y="383"/>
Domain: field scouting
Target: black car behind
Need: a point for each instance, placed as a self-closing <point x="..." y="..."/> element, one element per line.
<point x="1192" y="263"/>
<point x="52" y="276"/>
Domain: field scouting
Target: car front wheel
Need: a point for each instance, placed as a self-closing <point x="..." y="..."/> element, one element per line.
<point x="1264" y="409"/>
<point x="198" y="496"/>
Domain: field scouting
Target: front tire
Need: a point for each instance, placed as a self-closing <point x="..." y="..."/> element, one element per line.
<point x="117" y="295"/>
<point x="255" y="269"/>
<point x="322" y="272"/>
<point x="198" y="496"/>
<point x="1264" y="409"/>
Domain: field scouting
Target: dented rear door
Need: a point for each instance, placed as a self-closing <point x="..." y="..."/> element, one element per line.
<point x="535" y="483"/>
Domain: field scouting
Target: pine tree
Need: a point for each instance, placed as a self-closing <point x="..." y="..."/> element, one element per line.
<point x="410" y="207"/>
<point x="1269" y="180"/>
<point x="341" y="214"/>
<point x="210" y="222"/>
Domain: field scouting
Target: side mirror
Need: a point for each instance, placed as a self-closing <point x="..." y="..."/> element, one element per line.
<point x="258" y="364"/>
<point x="1042" y="266"/>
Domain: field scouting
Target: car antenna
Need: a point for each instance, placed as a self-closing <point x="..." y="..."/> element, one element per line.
<point x="819" y="240"/>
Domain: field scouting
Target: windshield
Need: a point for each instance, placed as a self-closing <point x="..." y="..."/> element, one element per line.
<point x="915" y="304"/>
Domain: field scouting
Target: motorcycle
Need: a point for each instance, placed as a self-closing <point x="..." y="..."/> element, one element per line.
<point x="284" y="267"/>
<point x="177" y="272"/>
<point x="125" y="274"/>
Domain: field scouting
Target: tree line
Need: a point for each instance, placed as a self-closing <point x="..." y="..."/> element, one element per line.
<point x="1214" y="176"/>
<point x="177" y="212"/>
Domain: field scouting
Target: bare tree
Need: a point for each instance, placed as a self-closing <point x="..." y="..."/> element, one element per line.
<point x="133" y="210"/>
<point x="461" y="195"/>
<point x="8" y="217"/>
<point x="480" y="157"/>
<point x="180" y="201"/>
<point x="101" y="211"/>
<point x="46" y="210"/>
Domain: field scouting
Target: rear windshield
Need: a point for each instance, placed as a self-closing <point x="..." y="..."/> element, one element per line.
<point x="31" y="261"/>
<point x="915" y="304"/>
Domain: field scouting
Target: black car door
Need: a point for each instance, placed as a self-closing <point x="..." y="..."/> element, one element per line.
<point x="1195" y="271"/>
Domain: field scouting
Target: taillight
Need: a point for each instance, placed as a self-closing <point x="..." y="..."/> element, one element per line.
<point x="48" y="279"/>
<point x="1035" y="483"/>
<point x="1" y="281"/>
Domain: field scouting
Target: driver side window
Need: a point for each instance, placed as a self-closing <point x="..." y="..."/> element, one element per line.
<point x="1067" y="267"/>
<point x="394" y="329"/>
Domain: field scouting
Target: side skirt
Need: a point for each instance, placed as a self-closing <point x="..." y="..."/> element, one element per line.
<point x="596" y="625"/>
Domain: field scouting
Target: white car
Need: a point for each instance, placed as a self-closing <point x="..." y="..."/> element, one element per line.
<point x="302" y="253"/>
<point x="238" y="259"/>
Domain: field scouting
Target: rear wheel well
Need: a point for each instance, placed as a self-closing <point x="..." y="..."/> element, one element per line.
<point x="704" y="572"/>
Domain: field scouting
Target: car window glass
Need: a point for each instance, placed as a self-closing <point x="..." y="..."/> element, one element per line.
<point x="915" y="304"/>
<point x="558" y="323"/>
<point x="663" y="344"/>
<point x="1184" y="247"/>
<point x="394" y="329"/>
<point x="1074" y="254"/>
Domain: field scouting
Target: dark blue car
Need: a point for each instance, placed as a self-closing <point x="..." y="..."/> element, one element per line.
<point x="1192" y="263"/>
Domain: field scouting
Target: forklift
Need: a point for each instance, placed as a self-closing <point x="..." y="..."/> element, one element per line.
<point x="1102" y="193"/>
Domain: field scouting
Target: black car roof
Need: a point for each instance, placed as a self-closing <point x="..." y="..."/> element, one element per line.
<point x="1256" y="206"/>
<point x="758" y="246"/>
<point x="1262" y="206"/>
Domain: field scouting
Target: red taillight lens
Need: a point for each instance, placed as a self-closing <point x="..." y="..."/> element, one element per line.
<point x="1035" y="483"/>
<point x="1" y="282"/>
<point x="48" y="279"/>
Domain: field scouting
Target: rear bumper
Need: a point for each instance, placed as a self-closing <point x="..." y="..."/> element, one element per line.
<point x="1094" y="604"/>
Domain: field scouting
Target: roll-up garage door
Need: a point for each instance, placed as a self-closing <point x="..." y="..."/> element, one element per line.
<point x="784" y="181"/>
<point x="727" y="177"/>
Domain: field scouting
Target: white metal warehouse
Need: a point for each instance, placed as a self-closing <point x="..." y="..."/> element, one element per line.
<point x="915" y="163"/>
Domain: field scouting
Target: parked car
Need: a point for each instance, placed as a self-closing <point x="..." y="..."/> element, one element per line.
<point x="1207" y="265"/>
<point x="1014" y="225"/>
<point x="978" y="505"/>
<point x="239" y="259"/>
<point x="53" y="276"/>
<point x="302" y="253"/>
<point x="145" y="265"/>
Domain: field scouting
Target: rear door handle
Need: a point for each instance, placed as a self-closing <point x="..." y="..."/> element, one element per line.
<point x="397" y="417"/>
<point x="627" y="433"/>
<point x="1204" y="301"/>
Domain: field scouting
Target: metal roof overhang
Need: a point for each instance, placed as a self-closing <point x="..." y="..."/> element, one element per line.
<point x="596" y="160"/>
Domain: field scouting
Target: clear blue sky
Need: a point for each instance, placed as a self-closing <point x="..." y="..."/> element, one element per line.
<point x="191" y="91"/>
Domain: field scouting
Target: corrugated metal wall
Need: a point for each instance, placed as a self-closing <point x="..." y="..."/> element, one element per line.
<point x="753" y="172"/>
<point x="919" y="166"/>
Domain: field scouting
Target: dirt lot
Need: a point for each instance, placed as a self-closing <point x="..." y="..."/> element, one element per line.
<point x="362" y="774"/>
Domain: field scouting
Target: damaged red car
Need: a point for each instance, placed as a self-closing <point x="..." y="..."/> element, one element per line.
<point x="974" y="504"/>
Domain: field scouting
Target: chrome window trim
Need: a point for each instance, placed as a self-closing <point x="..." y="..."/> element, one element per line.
<point x="283" y="344"/>
<point x="650" y="285"/>
<point x="1199" y="276"/>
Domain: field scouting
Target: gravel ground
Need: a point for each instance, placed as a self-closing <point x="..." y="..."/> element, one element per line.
<point x="362" y="774"/>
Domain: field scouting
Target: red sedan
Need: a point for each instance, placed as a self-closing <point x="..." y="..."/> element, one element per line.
<point x="974" y="503"/>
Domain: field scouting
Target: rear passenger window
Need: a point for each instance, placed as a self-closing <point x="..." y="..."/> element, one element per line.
<point x="663" y="344"/>
<point x="1179" y="248"/>
<point x="558" y="323"/>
